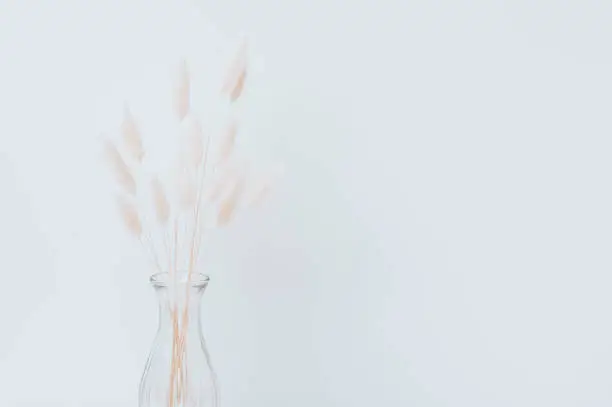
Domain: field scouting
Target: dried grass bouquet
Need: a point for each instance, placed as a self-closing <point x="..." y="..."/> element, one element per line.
<point x="205" y="187"/>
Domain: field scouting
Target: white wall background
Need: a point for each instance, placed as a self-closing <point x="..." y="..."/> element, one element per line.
<point x="441" y="236"/>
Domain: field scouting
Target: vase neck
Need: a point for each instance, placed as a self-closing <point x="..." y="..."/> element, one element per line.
<point x="180" y="301"/>
<point x="178" y="371"/>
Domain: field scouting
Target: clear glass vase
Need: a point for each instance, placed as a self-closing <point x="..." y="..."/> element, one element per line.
<point x="178" y="372"/>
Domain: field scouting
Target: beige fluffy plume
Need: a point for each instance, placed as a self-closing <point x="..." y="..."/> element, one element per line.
<point x="119" y="168"/>
<point x="182" y="92"/>
<point x="234" y="82"/>
<point x="228" y="205"/>
<point x="162" y="207"/>
<point x="193" y="143"/>
<point x="130" y="217"/>
<point x="131" y="136"/>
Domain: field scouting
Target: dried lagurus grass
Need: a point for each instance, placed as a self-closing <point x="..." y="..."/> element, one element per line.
<point x="234" y="83"/>
<point x="119" y="167"/>
<point x="162" y="207"/>
<point x="181" y="92"/>
<point x="228" y="205"/>
<point x="129" y="215"/>
<point x="131" y="136"/>
<point x="186" y="188"/>
<point x="181" y="216"/>
<point x="193" y="141"/>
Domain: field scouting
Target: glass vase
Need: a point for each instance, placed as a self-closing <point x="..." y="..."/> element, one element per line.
<point x="178" y="372"/>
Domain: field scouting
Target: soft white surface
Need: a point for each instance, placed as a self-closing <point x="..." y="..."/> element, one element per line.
<point x="441" y="236"/>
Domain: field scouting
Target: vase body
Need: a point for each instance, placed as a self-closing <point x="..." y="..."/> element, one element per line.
<point x="178" y="372"/>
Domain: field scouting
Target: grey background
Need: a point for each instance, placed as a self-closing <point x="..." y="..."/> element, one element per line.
<point x="441" y="236"/>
